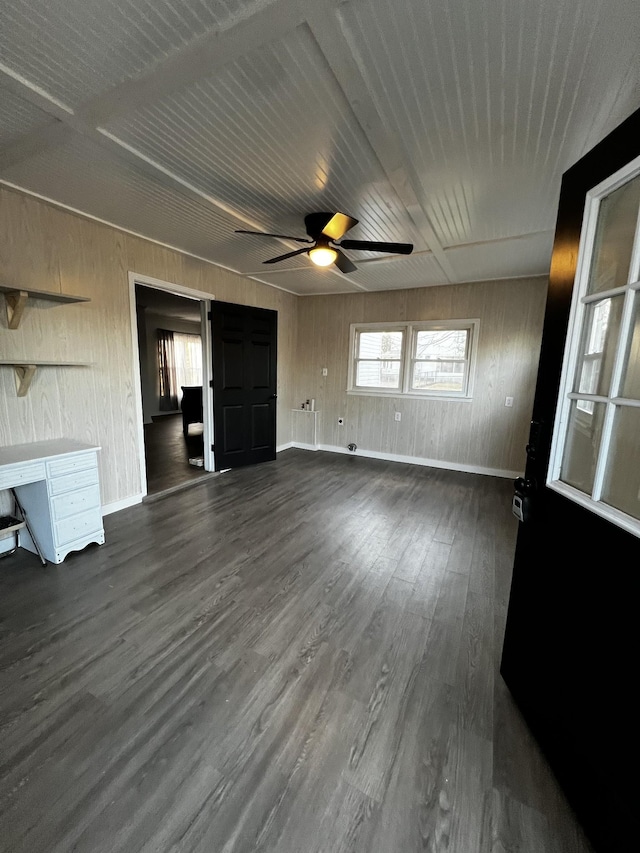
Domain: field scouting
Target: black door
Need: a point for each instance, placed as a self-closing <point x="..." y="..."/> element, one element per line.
<point x="570" y="655"/>
<point x="244" y="384"/>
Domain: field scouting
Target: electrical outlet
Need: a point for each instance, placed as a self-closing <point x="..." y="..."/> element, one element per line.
<point x="508" y="401"/>
<point x="325" y="372"/>
<point x="398" y="416"/>
<point x="340" y="421"/>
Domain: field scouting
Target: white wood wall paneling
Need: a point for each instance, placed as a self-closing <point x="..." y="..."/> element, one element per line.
<point x="483" y="433"/>
<point x="46" y="248"/>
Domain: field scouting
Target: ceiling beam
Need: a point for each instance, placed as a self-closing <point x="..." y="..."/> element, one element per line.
<point x="201" y="59"/>
<point x="323" y="18"/>
<point x="198" y="60"/>
<point x="265" y="275"/>
<point x="28" y="91"/>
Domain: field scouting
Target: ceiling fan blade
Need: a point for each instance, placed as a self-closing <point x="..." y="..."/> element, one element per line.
<point x="338" y="226"/>
<point x="284" y="257"/>
<point x="343" y="263"/>
<point x="371" y="246"/>
<point x="281" y="236"/>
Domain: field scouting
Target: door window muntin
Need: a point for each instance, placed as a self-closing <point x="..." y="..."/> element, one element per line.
<point x="576" y="409"/>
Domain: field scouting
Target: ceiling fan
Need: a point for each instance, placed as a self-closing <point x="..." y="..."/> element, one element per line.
<point x="324" y="230"/>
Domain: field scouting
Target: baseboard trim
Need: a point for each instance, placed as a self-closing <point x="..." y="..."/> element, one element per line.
<point x="302" y="446"/>
<point x="286" y="446"/>
<point x="419" y="460"/>
<point x="125" y="503"/>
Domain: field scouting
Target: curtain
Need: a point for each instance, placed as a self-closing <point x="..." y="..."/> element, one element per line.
<point x="188" y="353"/>
<point x="167" y="372"/>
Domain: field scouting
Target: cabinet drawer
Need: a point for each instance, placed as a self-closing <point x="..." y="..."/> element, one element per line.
<point x="69" y="464"/>
<point x="76" y="480"/>
<point x="77" y="526"/>
<point x="72" y="503"/>
<point x="22" y="474"/>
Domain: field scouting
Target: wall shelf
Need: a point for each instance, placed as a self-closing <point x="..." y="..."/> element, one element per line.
<point x="25" y="370"/>
<point x="16" y="299"/>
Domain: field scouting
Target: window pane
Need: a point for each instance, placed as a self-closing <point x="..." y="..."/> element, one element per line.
<point x="188" y="353"/>
<point x="446" y="343"/>
<point x="378" y="374"/>
<point x="599" y="339"/>
<point x="622" y="478"/>
<point x="631" y="374"/>
<point x="438" y="376"/>
<point x="614" y="238"/>
<point x="380" y="345"/>
<point x="581" y="447"/>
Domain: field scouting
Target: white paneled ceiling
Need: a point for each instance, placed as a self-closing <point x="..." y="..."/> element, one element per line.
<point x="446" y="124"/>
<point x="231" y="134"/>
<point x="76" y="49"/>
<point x="312" y="281"/>
<point x="417" y="270"/>
<point x="18" y="117"/>
<point x="120" y="193"/>
<point x="484" y="261"/>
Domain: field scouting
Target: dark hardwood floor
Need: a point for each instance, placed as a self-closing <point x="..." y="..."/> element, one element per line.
<point x="167" y="452"/>
<point x="299" y="656"/>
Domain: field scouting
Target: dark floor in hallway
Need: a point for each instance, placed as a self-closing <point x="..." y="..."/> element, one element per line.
<point x="167" y="452"/>
<point x="295" y="657"/>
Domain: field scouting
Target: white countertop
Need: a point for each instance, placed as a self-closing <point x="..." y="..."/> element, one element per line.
<point x="16" y="453"/>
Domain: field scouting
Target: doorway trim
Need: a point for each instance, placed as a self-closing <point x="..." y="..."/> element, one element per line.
<point x="207" y="391"/>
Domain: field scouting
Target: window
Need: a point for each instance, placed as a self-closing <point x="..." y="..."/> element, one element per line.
<point x="417" y="359"/>
<point x="595" y="457"/>
<point x="379" y="359"/>
<point x="179" y="363"/>
<point x="596" y="337"/>
<point x="188" y="359"/>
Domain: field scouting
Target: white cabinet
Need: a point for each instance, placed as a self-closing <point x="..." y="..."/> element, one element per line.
<point x="304" y="428"/>
<point x="58" y="486"/>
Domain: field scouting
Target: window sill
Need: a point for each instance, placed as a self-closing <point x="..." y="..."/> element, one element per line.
<point x="399" y="395"/>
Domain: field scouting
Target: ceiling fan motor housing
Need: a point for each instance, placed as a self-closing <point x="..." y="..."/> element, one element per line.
<point x="325" y="228"/>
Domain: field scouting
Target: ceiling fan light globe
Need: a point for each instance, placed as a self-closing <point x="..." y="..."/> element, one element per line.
<point x="323" y="256"/>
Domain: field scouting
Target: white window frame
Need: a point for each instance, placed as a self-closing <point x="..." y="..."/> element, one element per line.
<point x="572" y="354"/>
<point x="180" y="380"/>
<point x="409" y="330"/>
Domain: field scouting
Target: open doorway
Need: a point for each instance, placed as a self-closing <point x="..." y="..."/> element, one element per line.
<point x="172" y="355"/>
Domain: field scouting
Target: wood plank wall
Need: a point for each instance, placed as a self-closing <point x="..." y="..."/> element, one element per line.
<point x="481" y="434"/>
<point x="46" y="248"/>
